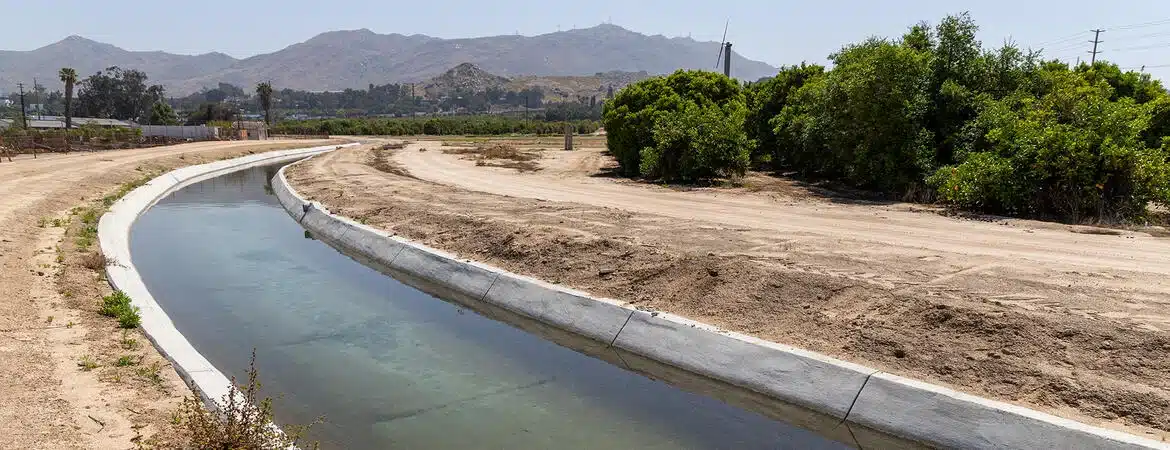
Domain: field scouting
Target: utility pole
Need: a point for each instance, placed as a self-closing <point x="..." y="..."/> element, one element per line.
<point x="1096" y="40"/>
<point x="23" y="110"/>
<point x="727" y="59"/>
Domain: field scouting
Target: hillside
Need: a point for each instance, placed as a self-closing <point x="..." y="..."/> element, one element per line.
<point x="338" y="60"/>
<point x="471" y="78"/>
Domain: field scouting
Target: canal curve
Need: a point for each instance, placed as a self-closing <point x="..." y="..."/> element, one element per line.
<point x="392" y="366"/>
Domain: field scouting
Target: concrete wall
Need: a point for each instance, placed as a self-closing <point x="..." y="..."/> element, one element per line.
<point x="180" y="131"/>
<point x="880" y="410"/>
<point x="114" y="238"/>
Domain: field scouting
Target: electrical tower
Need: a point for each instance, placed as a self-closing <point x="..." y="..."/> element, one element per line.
<point x="1096" y="40"/>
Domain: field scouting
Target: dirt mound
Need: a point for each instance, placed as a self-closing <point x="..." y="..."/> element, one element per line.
<point x="499" y="155"/>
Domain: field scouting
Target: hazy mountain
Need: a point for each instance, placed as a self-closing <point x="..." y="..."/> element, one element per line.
<point x="88" y="57"/>
<point x="354" y="59"/>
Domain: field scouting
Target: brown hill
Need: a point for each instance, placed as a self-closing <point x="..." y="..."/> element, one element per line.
<point x="355" y="59"/>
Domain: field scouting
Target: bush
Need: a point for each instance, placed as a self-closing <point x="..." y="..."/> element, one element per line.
<point x="245" y="421"/>
<point x="766" y="99"/>
<point x="118" y="305"/>
<point x="864" y="121"/>
<point x="686" y="126"/>
<point x="998" y="131"/>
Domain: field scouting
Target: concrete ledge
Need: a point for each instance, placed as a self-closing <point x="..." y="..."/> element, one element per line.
<point x="114" y="239"/>
<point x="946" y="418"/>
<point x="817" y="392"/>
<point x="801" y="378"/>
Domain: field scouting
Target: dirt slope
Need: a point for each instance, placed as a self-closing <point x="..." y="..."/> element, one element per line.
<point x="1024" y="312"/>
<point x="46" y="400"/>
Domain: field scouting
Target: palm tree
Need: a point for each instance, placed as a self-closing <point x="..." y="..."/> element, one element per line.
<point x="69" y="77"/>
<point x="264" y="91"/>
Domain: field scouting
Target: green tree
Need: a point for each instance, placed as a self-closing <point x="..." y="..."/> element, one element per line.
<point x="162" y="114"/>
<point x="766" y="99"/>
<point x="643" y="120"/>
<point x="69" y="77"/>
<point x="864" y="121"/>
<point x="120" y="94"/>
<point x="264" y="92"/>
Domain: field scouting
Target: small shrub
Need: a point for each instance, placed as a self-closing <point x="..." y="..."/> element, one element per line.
<point x="125" y="361"/>
<point x="86" y="237"/>
<point x="87" y="363"/>
<point x="244" y="421"/>
<point x="127" y="342"/>
<point x="118" y="305"/>
<point x="153" y="374"/>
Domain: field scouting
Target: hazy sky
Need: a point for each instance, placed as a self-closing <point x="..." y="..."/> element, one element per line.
<point x="778" y="32"/>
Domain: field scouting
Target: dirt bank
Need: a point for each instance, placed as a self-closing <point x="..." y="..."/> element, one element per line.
<point x="61" y="382"/>
<point x="1019" y="311"/>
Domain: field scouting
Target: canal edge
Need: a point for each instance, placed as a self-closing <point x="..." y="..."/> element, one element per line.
<point x="203" y="378"/>
<point x="880" y="402"/>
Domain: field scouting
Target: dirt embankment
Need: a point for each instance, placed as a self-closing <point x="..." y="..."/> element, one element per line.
<point x="1070" y="337"/>
<point x="70" y="378"/>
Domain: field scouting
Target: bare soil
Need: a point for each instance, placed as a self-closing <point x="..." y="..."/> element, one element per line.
<point x="498" y="155"/>
<point x="61" y="382"/>
<point x="1031" y="313"/>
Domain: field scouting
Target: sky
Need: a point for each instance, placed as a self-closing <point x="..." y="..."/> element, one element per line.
<point x="778" y="32"/>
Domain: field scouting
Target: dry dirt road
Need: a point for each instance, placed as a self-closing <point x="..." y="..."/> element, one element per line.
<point x="1025" y="312"/>
<point x="47" y="303"/>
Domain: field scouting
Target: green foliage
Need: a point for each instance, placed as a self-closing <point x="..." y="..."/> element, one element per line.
<point x="1070" y="153"/>
<point x="118" y="305"/>
<point x="686" y="126"/>
<point x="864" y="121"/>
<point x="264" y="94"/>
<point x="117" y="93"/>
<point x="212" y="112"/>
<point x="992" y="130"/>
<point x="162" y="114"/>
<point x="766" y="99"/>
<point x="435" y="126"/>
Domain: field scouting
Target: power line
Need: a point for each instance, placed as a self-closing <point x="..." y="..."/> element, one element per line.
<point x="1141" y="25"/>
<point x="1141" y="47"/>
<point x="1076" y="37"/>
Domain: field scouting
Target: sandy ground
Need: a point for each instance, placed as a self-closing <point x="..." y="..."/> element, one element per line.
<point x="48" y="303"/>
<point x="1036" y="314"/>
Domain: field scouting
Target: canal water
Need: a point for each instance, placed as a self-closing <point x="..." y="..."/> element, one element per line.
<point x="387" y="365"/>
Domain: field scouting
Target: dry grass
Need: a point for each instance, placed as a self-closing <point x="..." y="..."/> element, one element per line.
<point x="244" y="421"/>
<point x="94" y="261"/>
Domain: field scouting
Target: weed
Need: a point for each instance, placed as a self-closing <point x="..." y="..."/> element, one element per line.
<point x="128" y="343"/>
<point x="152" y="372"/>
<point x="49" y="320"/>
<point x="67" y="294"/>
<point x="70" y="324"/>
<point x="126" y="360"/>
<point x="59" y="222"/>
<point x="60" y="259"/>
<point x="244" y="421"/>
<point x="90" y="216"/>
<point x="42" y="222"/>
<point x="86" y="237"/>
<point x="94" y="261"/>
<point x="118" y="305"/>
<point x="86" y="363"/>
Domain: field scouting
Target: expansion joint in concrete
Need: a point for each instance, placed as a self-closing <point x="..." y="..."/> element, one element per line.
<point x="619" y="333"/>
<point x="857" y="396"/>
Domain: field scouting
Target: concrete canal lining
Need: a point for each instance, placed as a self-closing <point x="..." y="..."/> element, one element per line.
<point x="877" y="403"/>
<point x="114" y="238"/>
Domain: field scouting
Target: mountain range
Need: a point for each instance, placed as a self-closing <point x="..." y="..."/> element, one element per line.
<point x="338" y="60"/>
